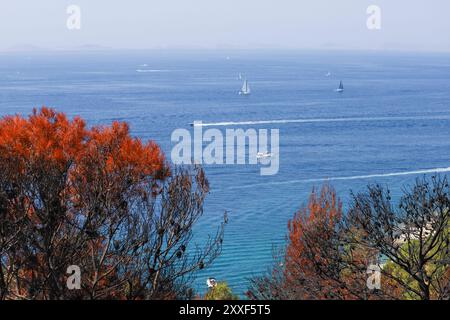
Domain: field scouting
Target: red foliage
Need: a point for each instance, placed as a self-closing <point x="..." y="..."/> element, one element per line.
<point x="311" y="227"/>
<point x="56" y="170"/>
<point x="48" y="137"/>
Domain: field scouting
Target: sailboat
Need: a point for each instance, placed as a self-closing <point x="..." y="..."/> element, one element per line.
<point x="341" y="87"/>
<point x="245" y="91"/>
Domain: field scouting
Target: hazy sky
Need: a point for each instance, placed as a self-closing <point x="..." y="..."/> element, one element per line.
<point x="406" y="24"/>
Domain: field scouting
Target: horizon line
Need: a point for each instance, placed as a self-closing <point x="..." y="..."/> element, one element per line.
<point x="100" y="48"/>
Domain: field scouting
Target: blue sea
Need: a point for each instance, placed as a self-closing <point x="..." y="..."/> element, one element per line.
<point x="396" y="127"/>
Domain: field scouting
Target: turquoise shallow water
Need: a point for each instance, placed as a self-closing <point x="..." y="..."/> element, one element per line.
<point x="399" y="103"/>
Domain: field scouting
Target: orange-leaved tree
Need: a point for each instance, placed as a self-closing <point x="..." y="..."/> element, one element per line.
<point x="314" y="264"/>
<point x="316" y="221"/>
<point x="311" y="239"/>
<point x="98" y="199"/>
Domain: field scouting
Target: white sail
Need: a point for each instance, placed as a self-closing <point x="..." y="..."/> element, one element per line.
<point x="245" y="88"/>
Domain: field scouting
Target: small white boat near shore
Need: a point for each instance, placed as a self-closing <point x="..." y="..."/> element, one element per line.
<point x="211" y="282"/>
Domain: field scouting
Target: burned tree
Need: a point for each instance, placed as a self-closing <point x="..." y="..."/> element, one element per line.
<point x="412" y="239"/>
<point x="101" y="200"/>
<point x="329" y="252"/>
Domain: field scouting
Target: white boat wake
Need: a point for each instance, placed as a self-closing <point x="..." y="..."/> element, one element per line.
<point x="360" y="177"/>
<point x="151" y="70"/>
<point x="287" y="121"/>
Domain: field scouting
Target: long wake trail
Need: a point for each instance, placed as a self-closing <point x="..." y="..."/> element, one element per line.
<point x="360" y="177"/>
<point x="321" y="120"/>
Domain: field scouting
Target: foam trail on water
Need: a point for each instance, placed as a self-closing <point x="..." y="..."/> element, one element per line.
<point x="370" y="176"/>
<point x="287" y="121"/>
<point x="150" y="70"/>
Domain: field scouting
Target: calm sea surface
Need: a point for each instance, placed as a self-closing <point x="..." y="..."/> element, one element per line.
<point x="401" y="102"/>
